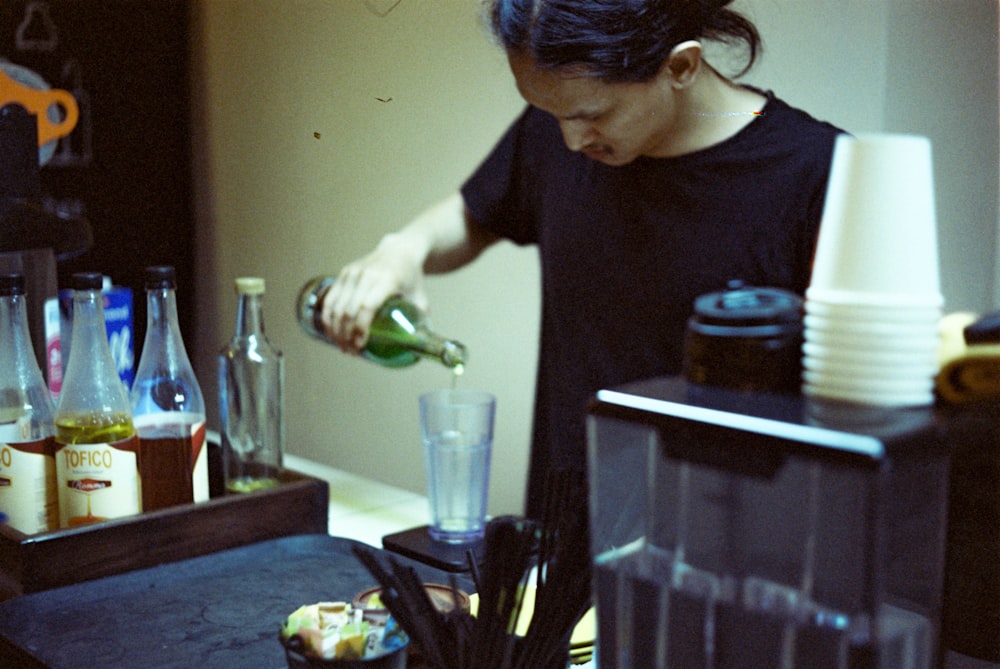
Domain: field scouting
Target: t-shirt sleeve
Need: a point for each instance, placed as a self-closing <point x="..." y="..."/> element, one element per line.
<point x="497" y="194"/>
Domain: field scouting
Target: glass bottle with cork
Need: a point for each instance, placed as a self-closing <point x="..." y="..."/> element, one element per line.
<point x="251" y="397"/>
<point x="97" y="457"/>
<point x="28" y="494"/>
<point x="168" y="407"/>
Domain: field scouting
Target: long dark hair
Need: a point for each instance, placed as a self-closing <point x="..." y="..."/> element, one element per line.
<point x="615" y="40"/>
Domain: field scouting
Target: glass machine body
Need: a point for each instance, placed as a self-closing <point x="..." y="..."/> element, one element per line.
<point x="733" y="529"/>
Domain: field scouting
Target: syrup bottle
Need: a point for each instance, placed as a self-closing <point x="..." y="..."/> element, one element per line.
<point x="27" y="449"/>
<point x="97" y="456"/>
<point x="168" y="407"/>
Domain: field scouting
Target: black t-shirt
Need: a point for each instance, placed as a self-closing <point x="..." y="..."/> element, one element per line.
<point x="625" y="250"/>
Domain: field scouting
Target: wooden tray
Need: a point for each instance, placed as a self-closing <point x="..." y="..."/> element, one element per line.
<point x="30" y="563"/>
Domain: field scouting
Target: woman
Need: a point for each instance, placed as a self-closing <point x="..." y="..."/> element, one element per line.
<point x="644" y="176"/>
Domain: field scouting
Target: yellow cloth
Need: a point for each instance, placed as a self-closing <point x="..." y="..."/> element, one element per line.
<point x="968" y="373"/>
<point x="584" y="632"/>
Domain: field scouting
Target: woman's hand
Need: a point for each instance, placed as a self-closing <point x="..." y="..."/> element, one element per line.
<point x="364" y="285"/>
<point x="441" y="239"/>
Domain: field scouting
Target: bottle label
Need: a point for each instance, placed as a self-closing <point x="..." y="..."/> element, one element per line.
<point x="28" y="484"/>
<point x="199" y="470"/>
<point x="98" y="481"/>
<point x="173" y="459"/>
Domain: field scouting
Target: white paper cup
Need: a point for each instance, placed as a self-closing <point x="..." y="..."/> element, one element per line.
<point x="873" y="299"/>
<point x="904" y="383"/>
<point x="878" y="235"/>
<point x="890" y="391"/>
<point x="929" y="343"/>
<point x="870" y="397"/>
<point x="847" y="367"/>
<point x="866" y="341"/>
<point x="873" y="328"/>
<point x="871" y="313"/>
<point x="871" y="358"/>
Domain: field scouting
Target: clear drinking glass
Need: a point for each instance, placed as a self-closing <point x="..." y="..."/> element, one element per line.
<point x="457" y="429"/>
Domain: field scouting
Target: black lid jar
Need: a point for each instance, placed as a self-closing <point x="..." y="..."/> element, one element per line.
<point x="745" y="337"/>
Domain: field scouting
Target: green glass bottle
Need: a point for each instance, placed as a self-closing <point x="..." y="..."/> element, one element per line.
<point x="399" y="335"/>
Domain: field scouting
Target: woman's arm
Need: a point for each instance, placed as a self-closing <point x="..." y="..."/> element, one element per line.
<point x="441" y="239"/>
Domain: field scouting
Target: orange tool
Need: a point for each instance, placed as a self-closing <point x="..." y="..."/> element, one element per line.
<point x="38" y="102"/>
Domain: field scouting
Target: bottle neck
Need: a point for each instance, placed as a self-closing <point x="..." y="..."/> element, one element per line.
<point x="161" y="308"/>
<point x="91" y="371"/>
<point x="164" y="368"/>
<point x="250" y="316"/>
<point x="162" y="329"/>
<point x="89" y="328"/>
<point x="15" y="340"/>
<point x="25" y="404"/>
<point x="447" y="351"/>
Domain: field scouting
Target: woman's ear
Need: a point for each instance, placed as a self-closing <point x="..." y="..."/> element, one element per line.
<point x="683" y="63"/>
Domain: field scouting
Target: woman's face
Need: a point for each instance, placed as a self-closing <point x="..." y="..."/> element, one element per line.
<point x="613" y="123"/>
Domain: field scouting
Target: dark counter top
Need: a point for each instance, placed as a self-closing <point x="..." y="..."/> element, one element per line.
<point x="217" y="610"/>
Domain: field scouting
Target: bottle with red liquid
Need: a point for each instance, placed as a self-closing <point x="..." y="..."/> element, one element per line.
<point x="168" y="407"/>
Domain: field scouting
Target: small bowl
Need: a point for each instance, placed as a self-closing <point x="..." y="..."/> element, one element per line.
<point x="297" y="659"/>
<point x="442" y="596"/>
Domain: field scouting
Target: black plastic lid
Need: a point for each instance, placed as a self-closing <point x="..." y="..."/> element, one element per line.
<point x="161" y="276"/>
<point x="88" y="281"/>
<point x="19" y="148"/>
<point x="742" y="305"/>
<point x="11" y="284"/>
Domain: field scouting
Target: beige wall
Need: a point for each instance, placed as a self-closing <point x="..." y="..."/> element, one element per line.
<point x="915" y="66"/>
<point x="283" y="204"/>
<point x="277" y="201"/>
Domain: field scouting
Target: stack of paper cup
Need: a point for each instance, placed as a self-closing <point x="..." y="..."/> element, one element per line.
<point x="874" y="301"/>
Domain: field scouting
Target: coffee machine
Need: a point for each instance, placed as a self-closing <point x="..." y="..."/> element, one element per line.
<point x="735" y="529"/>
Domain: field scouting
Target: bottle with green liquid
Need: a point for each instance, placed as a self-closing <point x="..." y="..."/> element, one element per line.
<point x="399" y="335"/>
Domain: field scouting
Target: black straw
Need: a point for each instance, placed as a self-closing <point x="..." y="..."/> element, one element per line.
<point x="470" y="557"/>
<point x="456" y="640"/>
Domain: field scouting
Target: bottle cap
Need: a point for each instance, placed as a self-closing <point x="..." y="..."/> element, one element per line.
<point x="741" y="306"/>
<point x="250" y="285"/>
<point x="161" y="276"/>
<point x="11" y="284"/>
<point x="88" y="281"/>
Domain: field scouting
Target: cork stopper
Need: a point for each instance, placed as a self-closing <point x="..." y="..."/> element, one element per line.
<point x="250" y="285"/>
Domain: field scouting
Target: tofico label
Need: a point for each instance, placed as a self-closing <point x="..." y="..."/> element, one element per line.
<point x="28" y="484"/>
<point x="88" y="485"/>
<point x="98" y="481"/>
